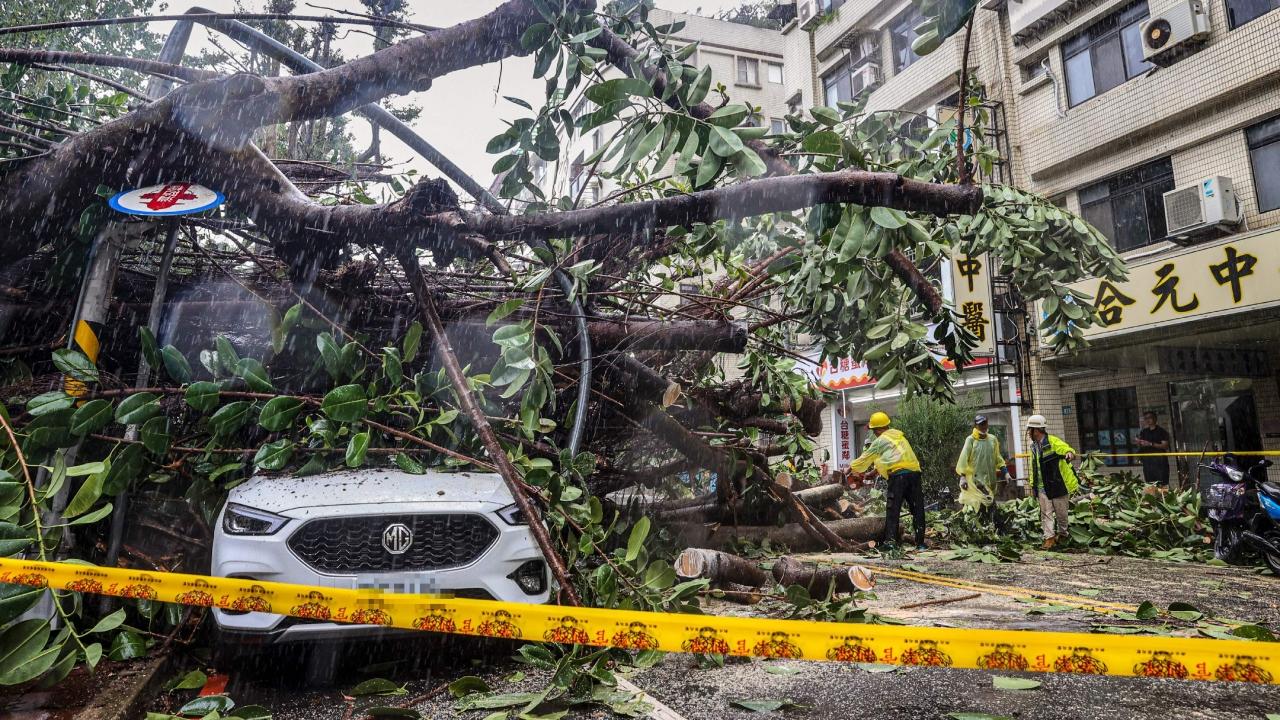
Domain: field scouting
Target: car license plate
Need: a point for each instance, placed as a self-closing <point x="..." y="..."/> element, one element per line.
<point x="400" y="585"/>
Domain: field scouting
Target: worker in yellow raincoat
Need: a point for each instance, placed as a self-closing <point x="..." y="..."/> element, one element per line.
<point x="979" y="466"/>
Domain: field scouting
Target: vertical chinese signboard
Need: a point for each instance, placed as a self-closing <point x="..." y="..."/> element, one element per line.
<point x="1198" y="283"/>
<point x="841" y="438"/>
<point x="971" y="281"/>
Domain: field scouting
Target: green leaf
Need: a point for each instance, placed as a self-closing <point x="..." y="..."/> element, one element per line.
<point x="330" y="355"/>
<point x="392" y="367"/>
<point x="708" y="168"/>
<point x="16" y="599"/>
<point x="888" y="218"/>
<point x="205" y="704"/>
<point x="279" y="413"/>
<point x="113" y="621"/>
<point x="52" y="401"/>
<point x="749" y="164"/>
<point x="274" y="455"/>
<point x="203" y="396"/>
<point x="176" y="364"/>
<point x="62" y="667"/>
<point x="34" y="666"/>
<point x="128" y="645"/>
<point x="701" y="85"/>
<point x="92" y="517"/>
<point x="724" y="142"/>
<point x="230" y="417"/>
<point x="1253" y="632"/>
<point x="412" y="341"/>
<point x="88" y="494"/>
<point x="729" y="116"/>
<point x="878" y="667"/>
<point x="648" y="143"/>
<point x="150" y="350"/>
<point x="618" y="89"/>
<point x="823" y="141"/>
<point x="76" y="364"/>
<point x="503" y="310"/>
<point x="13" y="540"/>
<point x="408" y="464"/>
<point x="92" y="654"/>
<point x="635" y="541"/>
<point x="251" y="712"/>
<point x="91" y="417"/>
<point x="155" y="435"/>
<point x="376" y="686"/>
<point x="227" y="356"/>
<point x="466" y="685"/>
<point x="1147" y="611"/>
<point x="137" y="409"/>
<point x="825" y="115"/>
<point x="1001" y="682"/>
<point x="487" y="701"/>
<point x="254" y="375"/>
<point x="21" y="642"/>
<point x="356" y="449"/>
<point x="346" y="403"/>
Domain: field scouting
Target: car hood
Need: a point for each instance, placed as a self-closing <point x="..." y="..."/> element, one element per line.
<point x="363" y="487"/>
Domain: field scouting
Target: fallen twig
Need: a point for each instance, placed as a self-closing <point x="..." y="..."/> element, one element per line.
<point x="940" y="601"/>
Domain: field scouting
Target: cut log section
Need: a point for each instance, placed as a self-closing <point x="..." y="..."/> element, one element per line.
<point x="720" y="567"/>
<point x="789" y="571"/>
<point x="698" y="535"/>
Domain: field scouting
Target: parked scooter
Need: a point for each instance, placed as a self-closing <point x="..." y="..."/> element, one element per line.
<point x="1244" y="508"/>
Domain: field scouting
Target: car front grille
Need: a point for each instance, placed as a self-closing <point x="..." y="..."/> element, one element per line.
<point x="355" y="544"/>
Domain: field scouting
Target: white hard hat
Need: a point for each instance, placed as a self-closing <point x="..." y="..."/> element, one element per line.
<point x="1037" y="421"/>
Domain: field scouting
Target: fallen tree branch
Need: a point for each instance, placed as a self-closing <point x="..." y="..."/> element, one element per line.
<point x="861" y="530"/>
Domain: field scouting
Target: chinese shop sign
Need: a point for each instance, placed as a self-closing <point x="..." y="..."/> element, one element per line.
<point x="971" y="281"/>
<point x="1238" y="274"/>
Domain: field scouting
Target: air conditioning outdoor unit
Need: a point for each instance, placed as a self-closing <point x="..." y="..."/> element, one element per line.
<point x="865" y="77"/>
<point x="1208" y="205"/>
<point x="807" y="12"/>
<point x="1174" y="32"/>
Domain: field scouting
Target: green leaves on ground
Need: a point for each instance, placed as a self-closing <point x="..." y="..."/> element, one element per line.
<point x="764" y="705"/>
<point x="377" y="686"/>
<point x="347" y="403"/>
<point x="1001" y="682"/>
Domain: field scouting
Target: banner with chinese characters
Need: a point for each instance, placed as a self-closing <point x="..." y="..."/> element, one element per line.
<point x="971" y="282"/>
<point x="841" y="438"/>
<point x="838" y="374"/>
<point x="1201" y="282"/>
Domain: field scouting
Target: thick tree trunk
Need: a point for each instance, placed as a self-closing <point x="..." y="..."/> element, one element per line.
<point x="720" y="567"/>
<point x="788" y="571"/>
<point x="698" y="535"/>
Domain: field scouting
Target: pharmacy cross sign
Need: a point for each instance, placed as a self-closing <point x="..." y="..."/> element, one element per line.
<point x="176" y="198"/>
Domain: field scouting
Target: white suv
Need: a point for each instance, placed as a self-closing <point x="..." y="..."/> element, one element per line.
<point x="450" y="533"/>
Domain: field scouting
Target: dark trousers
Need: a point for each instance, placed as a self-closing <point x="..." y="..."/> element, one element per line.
<point x="904" y="486"/>
<point x="1156" y="471"/>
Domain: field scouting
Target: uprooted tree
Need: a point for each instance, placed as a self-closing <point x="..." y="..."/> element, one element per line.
<point x="427" y="330"/>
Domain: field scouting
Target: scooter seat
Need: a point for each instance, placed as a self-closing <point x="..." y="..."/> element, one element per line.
<point x="1271" y="489"/>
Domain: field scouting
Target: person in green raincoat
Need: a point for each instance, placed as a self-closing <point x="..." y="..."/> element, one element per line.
<point x="979" y="466"/>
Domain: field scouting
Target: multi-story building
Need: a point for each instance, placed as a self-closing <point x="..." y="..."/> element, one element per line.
<point x="1157" y="120"/>
<point x="1177" y="161"/>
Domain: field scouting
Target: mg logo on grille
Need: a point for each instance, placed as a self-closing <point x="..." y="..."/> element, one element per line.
<point x="397" y="538"/>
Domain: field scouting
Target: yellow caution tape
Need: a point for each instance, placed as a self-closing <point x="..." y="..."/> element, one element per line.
<point x="1079" y="653"/>
<point x="1214" y="453"/>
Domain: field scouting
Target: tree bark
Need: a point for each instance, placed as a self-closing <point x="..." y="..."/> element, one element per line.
<point x="712" y="335"/>
<point x="719" y="566"/>
<point x="788" y="571"/>
<point x="858" y="530"/>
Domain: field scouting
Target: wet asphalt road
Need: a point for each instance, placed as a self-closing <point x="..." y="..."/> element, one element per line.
<point x="824" y="691"/>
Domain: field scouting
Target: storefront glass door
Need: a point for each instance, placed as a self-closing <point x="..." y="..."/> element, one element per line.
<point x="1213" y="416"/>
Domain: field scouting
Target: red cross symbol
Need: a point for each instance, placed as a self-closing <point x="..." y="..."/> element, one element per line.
<point x="168" y="196"/>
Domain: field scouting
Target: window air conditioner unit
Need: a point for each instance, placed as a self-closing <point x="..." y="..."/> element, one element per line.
<point x="1174" y="32"/>
<point x="807" y="12"/>
<point x="867" y="76"/>
<point x="1193" y="210"/>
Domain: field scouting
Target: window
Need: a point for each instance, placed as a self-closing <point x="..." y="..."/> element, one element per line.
<point x="777" y="126"/>
<point x="837" y="85"/>
<point x="1108" y="421"/>
<point x="1129" y="208"/>
<point x="1264" y="155"/>
<point x="830" y="5"/>
<point x="903" y="33"/>
<point x="1240" y="12"/>
<point x="748" y="71"/>
<point x="1105" y="55"/>
<point x="774" y="73"/>
<point x="577" y="175"/>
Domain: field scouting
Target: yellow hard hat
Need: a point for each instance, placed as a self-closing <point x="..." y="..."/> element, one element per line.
<point x="878" y="420"/>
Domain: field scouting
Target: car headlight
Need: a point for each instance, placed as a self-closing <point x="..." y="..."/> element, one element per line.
<point x="244" y="520"/>
<point x="1235" y="475"/>
<point x="512" y="515"/>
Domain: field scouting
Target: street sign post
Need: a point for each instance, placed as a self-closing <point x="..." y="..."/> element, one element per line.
<point x="176" y="198"/>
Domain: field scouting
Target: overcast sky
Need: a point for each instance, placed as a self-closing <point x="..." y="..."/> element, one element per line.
<point x="461" y="111"/>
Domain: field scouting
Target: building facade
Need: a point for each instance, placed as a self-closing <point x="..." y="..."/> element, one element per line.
<point x="1158" y="121"/>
